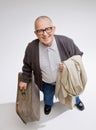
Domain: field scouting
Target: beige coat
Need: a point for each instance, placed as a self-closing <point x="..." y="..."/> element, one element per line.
<point x="71" y="81"/>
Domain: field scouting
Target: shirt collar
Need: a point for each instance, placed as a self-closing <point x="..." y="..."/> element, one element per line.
<point x="53" y="46"/>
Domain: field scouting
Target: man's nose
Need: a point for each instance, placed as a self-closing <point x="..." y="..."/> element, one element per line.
<point x="44" y="32"/>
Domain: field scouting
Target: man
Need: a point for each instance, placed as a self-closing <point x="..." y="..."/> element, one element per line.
<point x="43" y="56"/>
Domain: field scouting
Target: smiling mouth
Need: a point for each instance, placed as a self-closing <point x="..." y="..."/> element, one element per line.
<point x="45" y="39"/>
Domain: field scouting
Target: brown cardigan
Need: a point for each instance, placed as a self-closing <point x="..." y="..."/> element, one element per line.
<point x="66" y="48"/>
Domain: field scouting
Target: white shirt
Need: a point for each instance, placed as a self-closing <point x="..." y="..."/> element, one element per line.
<point x="49" y="62"/>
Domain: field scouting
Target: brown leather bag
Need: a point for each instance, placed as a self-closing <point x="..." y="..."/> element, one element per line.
<point x="28" y="102"/>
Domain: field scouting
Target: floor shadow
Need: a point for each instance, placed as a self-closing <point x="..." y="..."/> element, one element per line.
<point x="56" y="111"/>
<point x="9" y="119"/>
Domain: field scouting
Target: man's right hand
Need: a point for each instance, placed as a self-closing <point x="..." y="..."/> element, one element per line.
<point x="61" y="67"/>
<point x="23" y="85"/>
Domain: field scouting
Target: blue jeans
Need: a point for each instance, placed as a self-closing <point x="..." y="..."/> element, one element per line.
<point x="77" y="99"/>
<point x="48" y="92"/>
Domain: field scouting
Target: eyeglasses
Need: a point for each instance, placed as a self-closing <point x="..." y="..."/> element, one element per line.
<point x="47" y="30"/>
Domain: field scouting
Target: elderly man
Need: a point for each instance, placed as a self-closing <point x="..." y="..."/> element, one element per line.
<point x="43" y="56"/>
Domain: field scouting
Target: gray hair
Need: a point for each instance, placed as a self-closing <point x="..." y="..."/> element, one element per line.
<point x="42" y="17"/>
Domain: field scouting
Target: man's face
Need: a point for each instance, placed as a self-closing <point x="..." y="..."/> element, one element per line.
<point x="44" y="31"/>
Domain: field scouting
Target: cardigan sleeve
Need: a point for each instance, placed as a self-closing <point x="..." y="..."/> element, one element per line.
<point x="27" y="66"/>
<point x="73" y="48"/>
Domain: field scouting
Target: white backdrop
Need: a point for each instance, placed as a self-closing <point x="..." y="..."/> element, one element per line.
<point x="73" y="18"/>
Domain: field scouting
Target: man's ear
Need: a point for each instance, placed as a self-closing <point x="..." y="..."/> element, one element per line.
<point x="35" y="33"/>
<point x="54" y="28"/>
